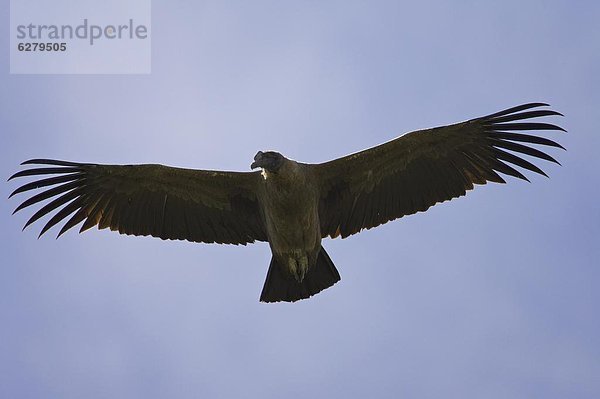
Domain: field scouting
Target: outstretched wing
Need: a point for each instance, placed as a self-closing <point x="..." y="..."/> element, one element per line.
<point x="156" y="200"/>
<point x="419" y="169"/>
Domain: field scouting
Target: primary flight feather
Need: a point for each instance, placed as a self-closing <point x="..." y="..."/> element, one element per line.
<point x="291" y="205"/>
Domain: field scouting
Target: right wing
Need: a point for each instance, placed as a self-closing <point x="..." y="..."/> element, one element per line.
<point x="161" y="201"/>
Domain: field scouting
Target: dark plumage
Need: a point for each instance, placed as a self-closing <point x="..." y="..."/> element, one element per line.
<point x="291" y="205"/>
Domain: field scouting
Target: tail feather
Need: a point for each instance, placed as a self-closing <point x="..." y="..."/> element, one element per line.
<point x="279" y="286"/>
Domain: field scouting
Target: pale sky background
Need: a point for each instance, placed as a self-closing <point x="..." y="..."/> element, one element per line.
<point x="493" y="295"/>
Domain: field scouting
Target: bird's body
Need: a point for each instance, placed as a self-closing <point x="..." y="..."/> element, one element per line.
<point x="292" y="205"/>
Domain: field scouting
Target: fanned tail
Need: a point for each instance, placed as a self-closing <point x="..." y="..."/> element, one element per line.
<point x="279" y="286"/>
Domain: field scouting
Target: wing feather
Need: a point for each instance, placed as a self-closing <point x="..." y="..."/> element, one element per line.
<point x="415" y="171"/>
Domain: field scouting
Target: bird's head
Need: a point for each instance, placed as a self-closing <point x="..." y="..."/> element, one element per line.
<point x="271" y="161"/>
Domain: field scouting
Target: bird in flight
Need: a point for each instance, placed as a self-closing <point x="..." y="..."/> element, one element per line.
<point x="290" y="204"/>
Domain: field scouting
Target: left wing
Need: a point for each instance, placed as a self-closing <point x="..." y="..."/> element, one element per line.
<point x="161" y="201"/>
<point x="422" y="168"/>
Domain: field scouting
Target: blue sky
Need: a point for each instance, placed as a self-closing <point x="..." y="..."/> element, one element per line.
<point x="492" y="295"/>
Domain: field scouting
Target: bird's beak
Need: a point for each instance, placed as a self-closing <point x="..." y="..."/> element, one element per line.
<point x="258" y="160"/>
